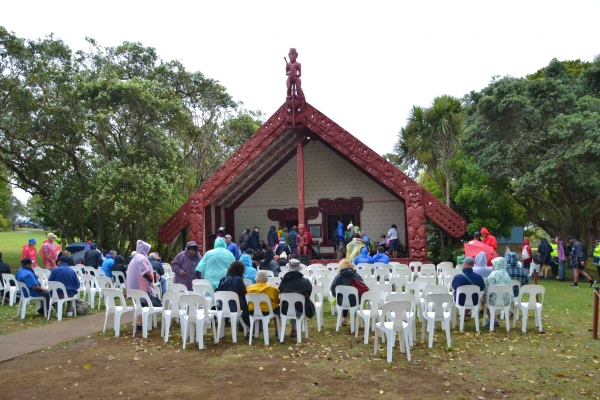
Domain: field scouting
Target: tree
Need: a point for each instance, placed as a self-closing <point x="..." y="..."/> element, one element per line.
<point x="540" y="139"/>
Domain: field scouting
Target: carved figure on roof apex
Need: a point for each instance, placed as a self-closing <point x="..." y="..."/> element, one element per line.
<point x="295" y="96"/>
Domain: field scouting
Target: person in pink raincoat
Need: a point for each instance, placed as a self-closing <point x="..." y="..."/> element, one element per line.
<point x="140" y="274"/>
<point x="50" y="251"/>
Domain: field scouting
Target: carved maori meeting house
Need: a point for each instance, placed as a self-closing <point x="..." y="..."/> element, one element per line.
<point x="301" y="168"/>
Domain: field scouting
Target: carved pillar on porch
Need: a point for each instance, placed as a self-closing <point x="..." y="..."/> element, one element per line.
<point x="300" y="174"/>
<point x="415" y="220"/>
<point x="208" y="229"/>
<point x="196" y="219"/>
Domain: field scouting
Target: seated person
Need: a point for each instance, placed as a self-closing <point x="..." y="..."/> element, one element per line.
<point x="65" y="275"/>
<point x="344" y="278"/>
<point x="249" y="271"/>
<point x="233" y="281"/>
<point x="295" y="282"/>
<point x="119" y="266"/>
<point x="516" y="272"/>
<point x="282" y="247"/>
<point x="154" y="259"/>
<point x="108" y="262"/>
<point x="261" y="286"/>
<point x="26" y="275"/>
<point x="498" y="277"/>
<point x="481" y="267"/>
<point x="4" y="269"/>
<point x="363" y="257"/>
<point x="269" y="263"/>
<point x="283" y="259"/>
<point x="468" y="277"/>
<point x="381" y="256"/>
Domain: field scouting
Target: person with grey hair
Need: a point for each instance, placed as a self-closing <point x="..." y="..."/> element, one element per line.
<point x="468" y="277"/>
<point x="294" y="282"/>
<point x="232" y="247"/>
<point x="261" y="286"/>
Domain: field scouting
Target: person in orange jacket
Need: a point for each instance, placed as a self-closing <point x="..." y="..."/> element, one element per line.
<point x="487" y="238"/>
<point x="29" y="251"/>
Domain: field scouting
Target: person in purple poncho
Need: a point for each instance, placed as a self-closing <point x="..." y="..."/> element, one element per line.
<point x="184" y="265"/>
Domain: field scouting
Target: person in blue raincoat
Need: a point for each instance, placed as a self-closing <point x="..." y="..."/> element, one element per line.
<point x="215" y="263"/>
<point x="363" y="257"/>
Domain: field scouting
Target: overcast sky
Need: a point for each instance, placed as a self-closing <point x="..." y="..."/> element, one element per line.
<point x="364" y="64"/>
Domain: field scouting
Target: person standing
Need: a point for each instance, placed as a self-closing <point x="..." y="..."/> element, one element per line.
<point x="554" y="258"/>
<point x="26" y="275"/>
<point x="272" y="238"/>
<point x="526" y="255"/>
<point x="245" y="241"/>
<point x="282" y="247"/>
<point x="293" y="235"/>
<point x="365" y="239"/>
<point x="184" y="265"/>
<point x="393" y="236"/>
<point x="545" y="250"/>
<point x="215" y="263"/>
<point x="29" y="251"/>
<point x="140" y="274"/>
<point x="487" y="238"/>
<point x="596" y="255"/>
<point x="562" y="259"/>
<point x="49" y="252"/>
<point x="285" y="235"/>
<point x="339" y="240"/>
<point x="255" y="239"/>
<point x="578" y="261"/>
<point x="232" y="247"/>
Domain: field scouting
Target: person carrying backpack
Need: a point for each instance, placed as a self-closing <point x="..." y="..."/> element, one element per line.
<point x="347" y="277"/>
<point x="578" y="259"/>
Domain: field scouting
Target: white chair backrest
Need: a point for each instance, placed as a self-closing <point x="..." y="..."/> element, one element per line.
<point x="89" y="270"/>
<point x="284" y="268"/>
<point x="517" y="283"/>
<point x="325" y="281"/>
<point x="440" y="303"/>
<point x="53" y="287"/>
<point x="201" y="282"/>
<point x="449" y="264"/>
<point x="382" y="273"/>
<point x="468" y="291"/>
<point x="400" y="283"/>
<point x="177" y="287"/>
<point x="247" y="282"/>
<point x="119" y="277"/>
<point x="374" y="299"/>
<point x="345" y="292"/>
<point x="269" y="273"/>
<point x="532" y="291"/>
<point x="291" y="299"/>
<point x="381" y="287"/>
<point x="416" y="289"/>
<point x="427" y="279"/>
<point x="428" y="266"/>
<point x="402" y="297"/>
<point x="9" y="280"/>
<point x="415" y="264"/>
<point x="170" y="301"/>
<point x="223" y="299"/>
<point x="400" y="310"/>
<point x="452" y="272"/>
<point x="256" y="299"/>
<point x="323" y="272"/>
<point x="369" y="280"/>
<point x="89" y="281"/>
<point x="500" y="291"/>
<point x="110" y="296"/>
<point x="333" y="266"/>
<point x="274" y="280"/>
<point x="364" y="272"/>
<point x="104" y="282"/>
<point x="316" y="294"/>
<point x="191" y="304"/>
<point x="364" y="266"/>
<point x="137" y="296"/>
<point x="434" y="289"/>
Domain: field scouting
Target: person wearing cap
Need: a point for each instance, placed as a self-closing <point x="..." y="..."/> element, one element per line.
<point x="596" y="255"/>
<point x="578" y="261"/>
<point x="29" y="251"/>
<point x="220" y="232"/>
<point x="232" y="247"/>
<point x="467" y="277"/>
<point x="26" y="275"/>
<point x="65" y="275"/>
<point x="282" y="247"/>
<point x="526" y="255"/>
<point x="184" y="265"/>
<point x="294" y="282"/>
<point x="477" y="236"/>
<point x="49" y="252"/>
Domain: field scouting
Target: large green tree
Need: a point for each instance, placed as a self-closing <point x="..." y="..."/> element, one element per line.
<point x="539" y="137"/>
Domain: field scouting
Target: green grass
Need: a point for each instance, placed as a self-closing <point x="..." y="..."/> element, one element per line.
<point x="11" y="246"/>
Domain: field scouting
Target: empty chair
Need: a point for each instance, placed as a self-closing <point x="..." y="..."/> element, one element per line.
<point x="427" y="279"/>
<point x="196" y="314"/>
<point x="364" y="272"/>
<point x="144" y="310"/>
<point x="288" y="311"/>
<point x="369" y="280"/>
<point x="500" y="300"/>
<point x="119" y="280"/>
<point x="403" y="271"/>
<point x="325" y="282"/>
<point x="110" y="297"/>
<point x="467" y="292"/>
<point x="333" y="266"/>
<point x="516" y="284"/>
<point x="323" y="272"/>
<point x="256" y="299"/>
<point x="274" y="280"/>
<point x="171" y="309"/>
<point x="103" y="282"/>
<point x="89" y="270"/>
<point x="415" y="266"/>
<point x="399" y="323"/>
<point x="432" y="289"/>
<point x="370" y="311"/>
<point x="225" y="310"/>
<point x="534" y="295"/>
<point x="316" y="297"/>
<point x="26" y="298"/>
<point x="399" y="283"/>
<point x="270" y="273"/>
<point x="428" y="266"/>
<point x="381" y="287"/>
<point x="284" y="268"/>
<point x="201" y="282"/>
<point x="411" y="315"/>
<point x="247" y="282"/>
<point x="441" y="272"/>
<point x="177" y="287"/>
<point x="437" y="307"/>
<point x="54" y="287"/>
<point x="10" y="286"/>
<point x="416" y="289"/>
<point x="364" y="266"/>
<point x="382" y="274"/>
<point x="168" y="270"/>
<point x="91" y="288"/>
<point x="347" y="299"/>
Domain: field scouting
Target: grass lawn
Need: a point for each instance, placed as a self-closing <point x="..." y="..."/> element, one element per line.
<point x="11" y="243"/>
<point x="563" y="362"/>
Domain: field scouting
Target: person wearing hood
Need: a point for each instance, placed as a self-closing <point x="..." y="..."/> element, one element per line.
<point x="282" y="247"/>
<point x="595" y="254"/>
<point x="481" y="267"/>
<point x="29" y="251"/>
<point x="526" y="255"/>
<point x="233" y="281"/>
<point x="285" y="235"/>
<point x="65" y="275"/>
<point x="349" y="234"/>
<point x="354" y="247"/>
<point x="339" y="240"/>
<point x="516" y="272"/>
<point x="108" y="263"/>
<point x="158" y="270"/>
<point x="293" y="235"/>
<point x="249" y="270"/>
<point x="255" y="238"/>
<point x="344" y="278"/>
<point x="140" y="274"/>
<point x="245" y="241"/>
<point x="184" y="265"/>
<point x="545" y="251"/>
<point x="215" y="263"/>
<point x="269" y="263"/>
<point x="92" y="257"/>
<point x="578" y="261"/>
<point x="363" y="257"/>
<point x="294" y="282"/>
<point x="119" y="265"/>
<point x="498" y="277"/>
<point x="381" y="257"/>
<point x="272" y="238"/>
<point x="487" y="238"/>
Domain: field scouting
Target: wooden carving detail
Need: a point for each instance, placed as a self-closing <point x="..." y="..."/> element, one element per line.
<point x="415" y="221"/>
<point x="445" y="217"/>
<point x="341" y="205"/>
<point x="230" y="222"/>
<point x="196" y="219"/>
<point x="175" y="224"/>
<point x="288" y="214"/>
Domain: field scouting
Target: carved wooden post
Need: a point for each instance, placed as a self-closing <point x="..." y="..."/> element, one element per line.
<point x="208" y="227"/>
<point x="300" y="171"/>
<point x="196" y="219"/>
<point x="415" y="217"/>
<point x="218" y="222"/>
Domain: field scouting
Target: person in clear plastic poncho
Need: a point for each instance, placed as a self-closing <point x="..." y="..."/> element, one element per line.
<point x="215" y="263"/>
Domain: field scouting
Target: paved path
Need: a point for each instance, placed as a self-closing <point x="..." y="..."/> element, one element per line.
<point x="19" y="343"/>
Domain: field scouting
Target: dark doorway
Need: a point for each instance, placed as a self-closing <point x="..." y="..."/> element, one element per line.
<point x="290" y="224"/>
<point x="332" y="222"/>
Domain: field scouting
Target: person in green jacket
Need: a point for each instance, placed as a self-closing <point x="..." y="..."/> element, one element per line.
<point x="597" y="255"/>
<point x="286" y="236"/>
<point x="215" y="263"/>
<point x="461" y="258"/>
<point x="553" y="258"/>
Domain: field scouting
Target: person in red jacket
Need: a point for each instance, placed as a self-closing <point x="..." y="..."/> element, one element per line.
<point x="525" y="248"/>
<point x="488" y="239"/>
<point x="29" y="251"/>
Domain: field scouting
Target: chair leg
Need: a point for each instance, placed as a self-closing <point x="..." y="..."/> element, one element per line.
<point x="214" y="329"/>
<point x="49" y="312"/>
<point x="266" y="330"/>
<point x="282" y="330"/>
<point x="407" y="347"/>
<point x="252" y="329"/>
<point x="462" y="319"/>
<point x="105" y="322"/>
<point x="430" y="329"/>
<point x="524" y="323"/>
<point x="200" y="335"/>
<point x="475" y="314"/>
<point x="117" y="326"/>
<point x="59" y="310"/>
<point x="144" y="326"/>
<point x="492" y="318"/>
<point x="375" y="342"/>
<point x="448" y="341"/>
<point x="507" y="318"/>
<point x="339" y="320"/>
<point x="367" y="323"/>
<point x="390" y="344"/>
<point x="184" y="328"/>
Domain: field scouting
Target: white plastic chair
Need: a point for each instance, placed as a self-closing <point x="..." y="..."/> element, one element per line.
<point x="427" y="279"/>
<point x="414" y="266"/>
<point x="119" y="280"/>
<point x="345" y="292"/>
<point x="196" y="312"/>
<point x="144" y="311"/>
<point x="403" y="271"/>
<point x="291" y="299"/>
<point x="516" y="299"/>
<point x="365" y="266"/>
<point x="411" y="315"/>
<point x="103" y="282"/>
<point x="201" y="282"/>
<point x="375" y="301"/>
<point x="382" y="274"/>
<point x="432" y="289"/>
<point x="532" y="304"/>
<point x="381" y="287"/>
<point x="437" y="307"/>
<point x="89" y="270"/>
<point x="365" y="273"/>
<point x="500" y="291"/>
<point x="270" y="273"/>
<point x="54" y="287"/>
<point x="207" y="291"/>
<point x="177" y="287"/>
<point x="171" y="310"/>
<point x="24" y="301"/>
<point x="468" y="291"/>
<point x="247" y="282"/>
<point x="274" y="280"/>
<point x="316" y="297"/>
<point x="369" y="280"/>
<point x="400" y="283"/>
<point x="8" y="280"/>
<point x="416" y="289"/>
<point x="256" y="299"/>
<point x="90" y="286"/>
<point x="224" y="311"/>
<point x="110" y="296"/>
<point x="400" y="323"/>
<point x="325" y="282"/>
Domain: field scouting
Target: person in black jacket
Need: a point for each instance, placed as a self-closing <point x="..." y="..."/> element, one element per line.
<point x="234" y="282"/>
<point x="272" y="237"/>
<point x="255" y="239"/>
<point x="545" y="250"/>
<point x="344" y="278"/>
<point x="119" y="266"/>
<point x="154" y="259"/>
<point x="294" y="282"/>
<point x="283" y="247"/>
<point x="4" y="269"/>
<point x="245" y="241"/>
<point x="269" y="263"/>
<point x="578" y="261"/>
<point x="92" y="257"/>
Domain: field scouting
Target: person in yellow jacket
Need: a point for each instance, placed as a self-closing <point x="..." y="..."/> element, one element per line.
<point x="553" y="258"/>
<point x="597" y="255"/>
<point x="261" y="286"/>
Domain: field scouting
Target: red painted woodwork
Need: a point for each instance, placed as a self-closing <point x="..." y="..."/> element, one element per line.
<point x="290" y="214"/>
<point x="217" y="217"/>
<point x="295" y="99"/>
<point x="300" y="177"/>
<point x="340" y="205"/>
<point x="230" y="222"/>
<point x="195" y="214"/>
<point x="208" y="228"/>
